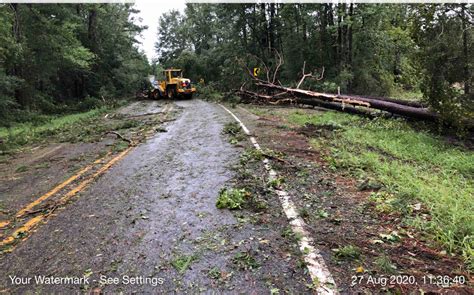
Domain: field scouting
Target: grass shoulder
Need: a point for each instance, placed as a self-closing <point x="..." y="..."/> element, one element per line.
<point x="412" y="172"/>
<point x="62" y="128"/>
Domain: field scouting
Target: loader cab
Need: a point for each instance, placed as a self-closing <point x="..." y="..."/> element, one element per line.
<point x="172" y="74"/>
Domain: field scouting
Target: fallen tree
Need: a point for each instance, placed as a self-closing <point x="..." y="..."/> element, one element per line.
<point x="254" y="97"/>
<point x="344" y="100"/>
<point x="347" y="103"/>
<point x="415" y="104"/>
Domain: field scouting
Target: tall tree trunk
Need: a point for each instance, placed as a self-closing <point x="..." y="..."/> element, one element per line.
<point x="16" y="69"/>
<point x="16" y="23"/>
<point x="322" y="35"/>
<point x="333" y="42"/>
<point x="303" y="22"/>
<point x="92" y="29"/>
<point x="255" y="32"/>
<point x="349" y="37"/>
<point x="349" y="43"/>
<point x="279" y="39"/>
<point x="339" y="38"/>
<point x="271" y="26"/>
<point x="263" y="31"/>
<point x="465" y="41"/>
<point x="244" y="26"/>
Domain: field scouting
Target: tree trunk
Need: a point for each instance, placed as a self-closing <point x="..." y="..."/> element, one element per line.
<point x="344" y="36"/>
<point x="254" y="97"/>
<point x="263" y="31"/>
<point x="297" y="19"/>
<point x="331" y="41"/>
<point x="322" y="35"/>
<point x="244" y="26"/>
<point x="303" y="22"/>
<point x="17" y="69"/>
<point x="271" y="26"/>
<point x="465" y="41"/>
<point x="349" y="43"/>
<point x="349" y="37"/>
<point x="391" y="107"/>
<point x="339" y="37"/>
<point x="92" y="29"/>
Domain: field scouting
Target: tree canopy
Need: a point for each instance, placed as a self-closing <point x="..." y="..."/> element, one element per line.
<point x="53" y="56"/>
<point x="56" y="55"/>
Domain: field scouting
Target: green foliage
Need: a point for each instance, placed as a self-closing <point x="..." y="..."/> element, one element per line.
<point x="21" y="169"/>
<point x="58" y="58"/>
<point x="234" y="131"/>
<point x="251" y="155"/>
<point x="214" y="273"/>
<point x="171" y="38"/>
<point x="182" y="263"/>
<point x="347" y="252"/>
<point x="232" y="128"/>
<point x="385" y="50"/>
<point x="40" y="126"/>
<point x="384" y="264"/>
<point x="446" y="57"/>
<point x="231" y="198"/>
<point x="245" y="261"/>
<point x="209" y="92"/>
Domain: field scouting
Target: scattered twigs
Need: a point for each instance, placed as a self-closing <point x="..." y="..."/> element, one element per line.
<point x="42" y="209"/>
<point x="254" y="96"/>
<point x="271" y="157"/>
<point x="283" y="101"/>
<point x="145" y="114"/>
<point x="120" y="136"/>
<point x="280" y="94"/>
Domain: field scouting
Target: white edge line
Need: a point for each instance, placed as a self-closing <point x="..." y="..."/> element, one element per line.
<point x="317" y="268"/>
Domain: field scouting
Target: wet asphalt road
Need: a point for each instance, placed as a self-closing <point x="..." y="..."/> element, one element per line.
<point x="154" y="206"/>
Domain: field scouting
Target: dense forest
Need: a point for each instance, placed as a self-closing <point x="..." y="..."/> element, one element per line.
<point x="57" y="58"/>
<point x="409" y="51"/>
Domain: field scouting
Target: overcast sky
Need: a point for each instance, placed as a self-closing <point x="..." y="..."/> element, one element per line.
<point x="150" y="12"/>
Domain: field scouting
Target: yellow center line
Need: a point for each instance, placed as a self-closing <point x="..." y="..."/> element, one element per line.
<point x="30" y="224"/>
<point x="57" y="188"/>
<point x="23" y="229"/>
<point x="4" y="224"/>
<point x="104" y="168"/>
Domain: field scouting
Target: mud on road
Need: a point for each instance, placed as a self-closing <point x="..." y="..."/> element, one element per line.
<point x="150" y="223"/>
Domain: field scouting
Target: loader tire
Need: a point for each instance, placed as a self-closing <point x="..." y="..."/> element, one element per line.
<point x="171" y="93"/>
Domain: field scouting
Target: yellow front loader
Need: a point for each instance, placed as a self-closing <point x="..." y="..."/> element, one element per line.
<point x="173" y="85"/>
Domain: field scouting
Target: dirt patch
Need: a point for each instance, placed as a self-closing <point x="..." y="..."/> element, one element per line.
<point x="140" y="108"/>
<point x="325" y="130"/>
<point x="360" y="242"/>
